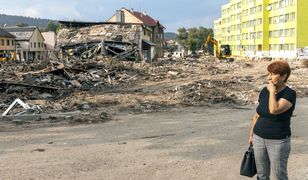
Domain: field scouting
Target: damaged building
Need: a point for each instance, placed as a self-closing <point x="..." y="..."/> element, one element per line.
<point x="126" y="35"/>
<point x="29" y="42"/>
<point x="7" y="45"/>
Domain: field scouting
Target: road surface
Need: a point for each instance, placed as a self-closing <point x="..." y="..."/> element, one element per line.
<point x="180" y="143"/>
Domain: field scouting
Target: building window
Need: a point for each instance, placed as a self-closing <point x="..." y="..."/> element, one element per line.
<point x="252" y="47"/>
<point x="276" y="19"/>
<point x="31" y="44"/>
<point x="281" y="18"/>
<point x="292" y="18"/>
<point x="239" y="5"/>
<point x="254" y="10"/>
<point x="239" y="27"/>
<point x="281" y="33"/>
<point x="287" y="32"/>
<point x="259" y="35"/>
<point x="8" y="42"/>
<point x="34" y="45"/>
<point x="287" y="17"/>
<point x="253" y="35"/>
<point x="275" y="5"/>
<point x="39" y="44"/>
<point x="260" y="8"/>
<point x="292" y="32"/>
<point x="284" y="3"/>
<point x="239" y="16"/>
<point x="259" y="21"/>
<point x="12" y="42"/>
<point x="2" y="42"/>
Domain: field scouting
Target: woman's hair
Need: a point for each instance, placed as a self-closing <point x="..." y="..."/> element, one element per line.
<point x="281" y="68"/>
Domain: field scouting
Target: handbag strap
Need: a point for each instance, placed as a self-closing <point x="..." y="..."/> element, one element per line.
<point x="250" y="149"/>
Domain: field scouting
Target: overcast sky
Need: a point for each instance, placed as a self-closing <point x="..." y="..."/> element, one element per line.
<point x="173" y="14"/>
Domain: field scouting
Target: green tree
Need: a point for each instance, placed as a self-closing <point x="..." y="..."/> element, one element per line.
<point x="51" y="26"/>
<point x="22" y="25"/>
<point x="194" y="38"/>
<point x="183" y="37"/>
<point x="172" y="48"/>
<point x="192" y="44"/>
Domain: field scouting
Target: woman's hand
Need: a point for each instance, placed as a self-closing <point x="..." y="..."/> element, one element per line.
<point x="271" y="87"/>
<point x="250" y="141"/>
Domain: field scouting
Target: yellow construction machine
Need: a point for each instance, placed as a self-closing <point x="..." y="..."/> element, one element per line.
<point x="3" y="56"/>
<point x="222" y="51"/>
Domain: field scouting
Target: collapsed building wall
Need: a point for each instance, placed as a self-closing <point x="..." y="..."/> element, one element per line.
<point x="110" y="39"/>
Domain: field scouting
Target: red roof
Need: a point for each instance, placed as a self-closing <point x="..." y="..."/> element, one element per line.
<point x="147" y="20"/>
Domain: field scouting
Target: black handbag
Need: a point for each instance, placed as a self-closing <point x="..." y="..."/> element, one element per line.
<point x="248" y="166"/>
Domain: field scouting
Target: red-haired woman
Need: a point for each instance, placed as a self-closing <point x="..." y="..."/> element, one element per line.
<point x="270" y="132"/>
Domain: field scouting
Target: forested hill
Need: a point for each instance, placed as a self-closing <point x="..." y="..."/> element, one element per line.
<point x="10" y="20"/>
<point x="170" y="36"/>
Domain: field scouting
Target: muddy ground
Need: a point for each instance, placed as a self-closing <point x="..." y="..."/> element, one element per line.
<point x="174" y="119"/>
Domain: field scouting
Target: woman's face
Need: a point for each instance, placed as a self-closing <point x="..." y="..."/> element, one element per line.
<point x="276" y="79"/>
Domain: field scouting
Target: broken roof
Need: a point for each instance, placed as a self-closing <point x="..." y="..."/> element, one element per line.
<point x="21" y="33"/>
<point x="145" y="18"/>
<point x="78" y="23"/>
<point x="4" y="33"/>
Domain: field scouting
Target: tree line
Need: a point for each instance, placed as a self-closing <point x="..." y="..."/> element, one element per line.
<point x="193" y="39"/>
<point x="21" y="21"/>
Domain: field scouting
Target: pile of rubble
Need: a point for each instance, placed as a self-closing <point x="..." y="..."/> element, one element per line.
<point x="118" y="41"/>
<point x="56" y="79"/>
<point x="53" y="86"/>
<point x="91" y="87"/>
<point x="207" y="92"/>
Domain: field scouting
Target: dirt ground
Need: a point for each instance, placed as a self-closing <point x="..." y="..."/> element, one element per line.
<point x="180" y="143"/>
<point x="101" y="88"/>
<point x="176" y="119"/>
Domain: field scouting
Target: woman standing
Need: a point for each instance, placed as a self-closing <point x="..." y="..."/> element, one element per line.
<point x="270" y="132"/>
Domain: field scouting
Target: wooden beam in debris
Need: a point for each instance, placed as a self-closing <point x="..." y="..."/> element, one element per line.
<point x="2" y="83"/>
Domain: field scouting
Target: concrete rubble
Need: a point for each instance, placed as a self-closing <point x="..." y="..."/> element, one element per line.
<point x="114" y="40"/>
<point x="94" y="89"/>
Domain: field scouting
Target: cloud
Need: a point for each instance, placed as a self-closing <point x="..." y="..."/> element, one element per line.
<point x="62" y="13"/>
<point x="45" y="10"/>
<point x="33" y="11"/>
